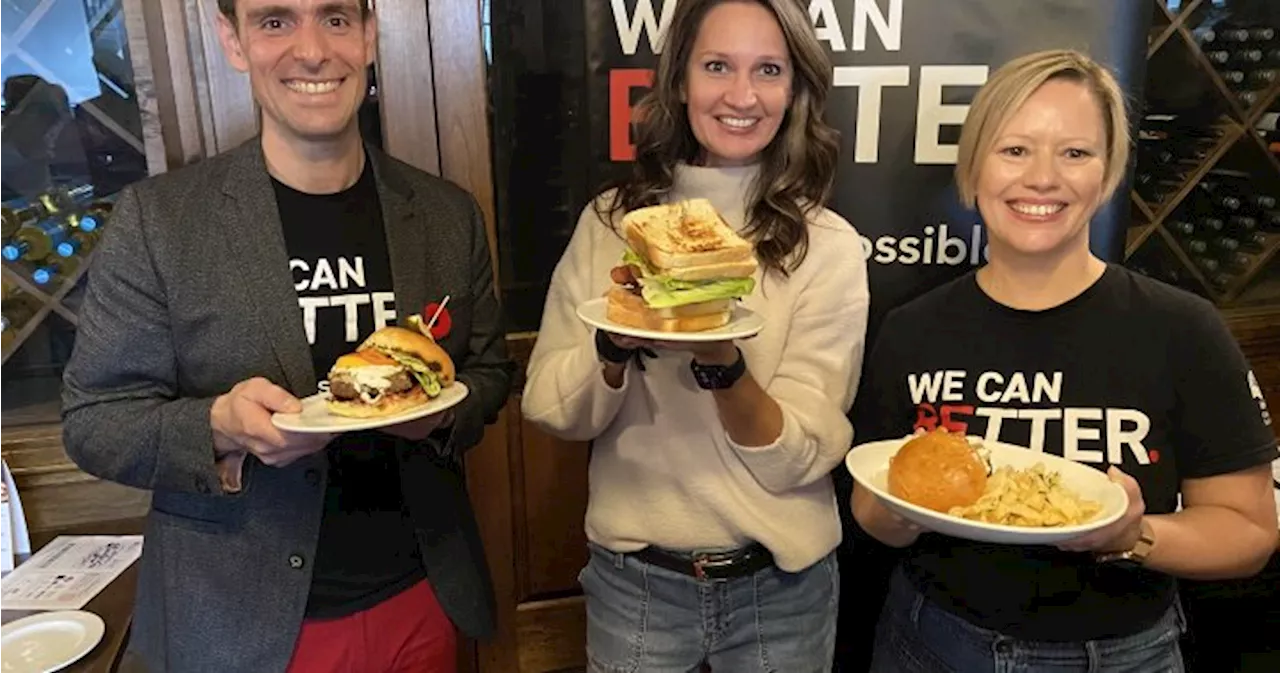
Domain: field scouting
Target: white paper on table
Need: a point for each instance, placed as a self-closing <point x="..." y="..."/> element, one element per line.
<point x="68" y="572"/>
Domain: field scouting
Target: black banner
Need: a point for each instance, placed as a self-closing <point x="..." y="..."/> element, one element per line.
<point x="904" y="73"/>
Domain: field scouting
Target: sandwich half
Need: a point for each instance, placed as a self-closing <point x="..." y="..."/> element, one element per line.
<point x="682" y="271"/>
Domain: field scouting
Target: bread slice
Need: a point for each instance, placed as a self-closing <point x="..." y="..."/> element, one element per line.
<point x="684" y="234"/>
<point x="724" y="270"/>
<point x="629" y="309"/>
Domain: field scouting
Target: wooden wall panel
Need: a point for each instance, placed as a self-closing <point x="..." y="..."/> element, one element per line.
<point x="55" y="493"/>
<point x="554" y="482"/>
<point x="169" y="48"/>
<point x="229" y="113"/>
<point x="462" y="107"/>
<point x="406" y="84"/>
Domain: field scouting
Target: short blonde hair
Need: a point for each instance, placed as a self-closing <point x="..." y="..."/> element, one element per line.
<point x="1011" y="85"/>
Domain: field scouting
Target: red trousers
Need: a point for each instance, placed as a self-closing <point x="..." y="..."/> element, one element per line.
<point x="407" y="633"/>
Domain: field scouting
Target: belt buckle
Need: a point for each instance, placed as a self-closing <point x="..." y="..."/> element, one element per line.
<point x="704" y="561"/>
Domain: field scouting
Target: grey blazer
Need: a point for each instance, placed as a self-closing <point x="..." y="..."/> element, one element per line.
<point x="189" y="293"/>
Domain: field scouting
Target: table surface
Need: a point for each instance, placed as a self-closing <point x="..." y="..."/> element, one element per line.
<point x="114" y="604"/>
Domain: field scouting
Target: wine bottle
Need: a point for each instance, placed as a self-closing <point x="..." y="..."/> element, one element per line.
<point x="1205" y="35"/>
<point x="1239" y="223"/>
<point x="1235" y="56"/>
<point x="1253" y="241"/>
<point x="63" y="200"/>
<point x="1180" y="227"/>
<point x="1260" y="202"/>
<point x="1197" y="246"/>
<point x="1236" y="262"/>
<point x="78" y="243"/>
<point x="1270" y="220"/>
<point x="1226" y="244"/>
<point x="1261" y="79"/>
<point x="67" y="266"/>
<point x="1152" y="188"/>
<point x="1218" y="281"/>
<point x="33" y="241"/>
<point x="14" y="218"/>
<point x="1261" y="34"/>
<point x="1233" y="76"/>
<point x="1207" y="264"/>
<point x="92" y="218"/>
<point x="46" y="273"/>
<point x="14" y="314"/>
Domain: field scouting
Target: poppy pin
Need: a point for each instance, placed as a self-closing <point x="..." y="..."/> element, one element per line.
<point x="438" y="318"/>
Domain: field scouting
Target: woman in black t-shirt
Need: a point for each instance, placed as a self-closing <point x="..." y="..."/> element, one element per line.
<point x="1051" y="348"/>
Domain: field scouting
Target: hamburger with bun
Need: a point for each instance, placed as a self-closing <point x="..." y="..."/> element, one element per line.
<point x="938" y="470"/>
<point x="682" y="270"/>
<point x="392" y="371"/>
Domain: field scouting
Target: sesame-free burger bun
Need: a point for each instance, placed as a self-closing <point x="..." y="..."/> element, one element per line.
<point x="409" y="342"/>
<point x="937" y="470"/>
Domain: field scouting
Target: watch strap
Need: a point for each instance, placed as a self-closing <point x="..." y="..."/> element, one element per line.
<point x="718" y="377"/>
<point x="1140" y="550"/>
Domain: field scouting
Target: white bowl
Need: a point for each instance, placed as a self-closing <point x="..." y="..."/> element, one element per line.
<point x="869" y="465"/>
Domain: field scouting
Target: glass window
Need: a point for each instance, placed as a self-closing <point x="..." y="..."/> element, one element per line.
<point x="71" y="140"/>
<point x="542" y="145"/>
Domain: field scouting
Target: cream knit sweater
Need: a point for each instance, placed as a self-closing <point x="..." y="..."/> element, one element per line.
<point x="663" y="471"/>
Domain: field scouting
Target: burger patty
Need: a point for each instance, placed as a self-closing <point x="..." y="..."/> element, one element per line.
<point x="344" y="388"/>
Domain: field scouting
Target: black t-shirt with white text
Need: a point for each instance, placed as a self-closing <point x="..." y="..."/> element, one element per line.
<point x="1131" y="373"/>
<point x="338" y="259"/>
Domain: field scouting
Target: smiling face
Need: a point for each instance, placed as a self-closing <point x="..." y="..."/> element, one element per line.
<point x="738" y="83"/>
<point x="1042" y="180"/>
<point x="307" y="62"/>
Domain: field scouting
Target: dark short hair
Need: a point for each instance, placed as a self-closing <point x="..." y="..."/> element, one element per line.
<point x="228" y="8"/>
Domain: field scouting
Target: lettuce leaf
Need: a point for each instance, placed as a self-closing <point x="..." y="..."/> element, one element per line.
<point x="663" y="291"/>
<point x="426" y="378"/>
<point x="659" y="295"/>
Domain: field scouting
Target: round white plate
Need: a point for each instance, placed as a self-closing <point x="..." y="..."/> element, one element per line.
<point x="742" y="324"/>
<point x="48" y="641"/>
<point x="869" y="465"/>
<point x="315" y="417"/>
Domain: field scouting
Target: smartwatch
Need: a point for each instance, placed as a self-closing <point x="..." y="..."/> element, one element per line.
<point x="718" y="377"/>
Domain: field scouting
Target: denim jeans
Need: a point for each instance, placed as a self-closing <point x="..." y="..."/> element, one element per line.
<point x="917" y="636"/>
<point x="643" y="618"/>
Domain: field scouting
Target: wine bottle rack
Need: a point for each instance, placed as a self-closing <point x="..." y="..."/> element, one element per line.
<point x="49" y="302"/>
<point x="1223" y="117"/>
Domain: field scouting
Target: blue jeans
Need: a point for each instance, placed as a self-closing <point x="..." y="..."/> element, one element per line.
<point x="917" y="636"/>
<point x="641" y="617"/>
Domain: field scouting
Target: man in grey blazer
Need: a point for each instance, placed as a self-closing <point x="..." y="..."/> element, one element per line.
<point x="221" y="294"/>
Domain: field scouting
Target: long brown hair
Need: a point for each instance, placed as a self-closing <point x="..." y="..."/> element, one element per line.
<point x="796" y="169"/>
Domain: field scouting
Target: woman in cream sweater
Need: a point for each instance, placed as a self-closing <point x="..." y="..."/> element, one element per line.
<point x="712" y="518"/>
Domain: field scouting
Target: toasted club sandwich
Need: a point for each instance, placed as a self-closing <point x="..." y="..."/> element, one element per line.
<point x="682" y="271"/>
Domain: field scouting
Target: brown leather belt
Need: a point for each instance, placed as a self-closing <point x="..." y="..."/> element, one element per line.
<point x="710" y="566"/>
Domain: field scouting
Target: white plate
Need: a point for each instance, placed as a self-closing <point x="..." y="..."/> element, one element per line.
<point x="869" y="465"/>
<point x="49" y="641"/>
<point x="315" y="416"/>
<point x="742" y="324"/>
